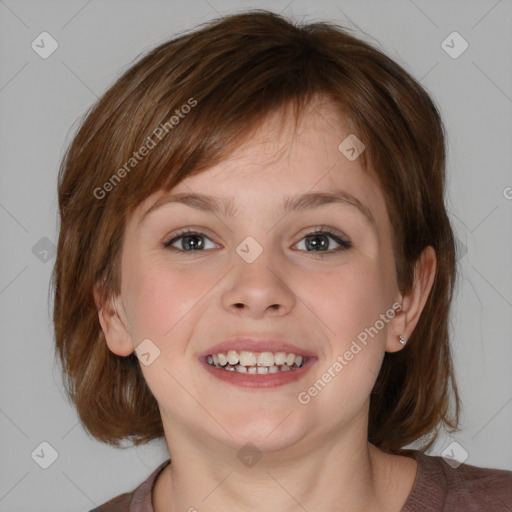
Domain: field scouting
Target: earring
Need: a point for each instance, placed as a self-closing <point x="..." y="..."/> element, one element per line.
<point x="403" y="340"/>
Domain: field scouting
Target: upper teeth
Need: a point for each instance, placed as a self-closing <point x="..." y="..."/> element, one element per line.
<point x="248" y="358"/>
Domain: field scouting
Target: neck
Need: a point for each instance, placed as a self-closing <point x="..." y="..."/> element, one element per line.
<point x="345" y="474"/>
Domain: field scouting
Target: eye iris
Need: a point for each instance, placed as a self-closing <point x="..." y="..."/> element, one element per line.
<point x="196" y="243"/>
<point x="311" y="244"/>
<point x="315" y="242"/>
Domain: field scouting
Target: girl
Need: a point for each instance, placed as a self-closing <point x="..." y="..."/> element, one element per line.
<point x="255" y="261"/>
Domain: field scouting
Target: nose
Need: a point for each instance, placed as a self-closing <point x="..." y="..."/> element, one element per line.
<point x="257" y="289"/>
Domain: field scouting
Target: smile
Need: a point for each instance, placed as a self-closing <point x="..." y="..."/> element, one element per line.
<point x="256" y="363"/>
<point x="257" y="370"/>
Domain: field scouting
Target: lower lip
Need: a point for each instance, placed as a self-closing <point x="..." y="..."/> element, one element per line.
<point x="266" y="380"/>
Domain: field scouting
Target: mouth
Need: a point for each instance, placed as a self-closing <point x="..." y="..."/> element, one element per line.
<point x="256" y="363"/>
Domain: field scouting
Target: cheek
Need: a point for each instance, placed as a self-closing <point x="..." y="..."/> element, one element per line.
<point x="347" y="301"/>
<point x="159" y="297"/>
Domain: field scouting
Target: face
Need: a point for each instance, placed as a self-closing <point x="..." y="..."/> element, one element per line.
<point x="318" y="280"/>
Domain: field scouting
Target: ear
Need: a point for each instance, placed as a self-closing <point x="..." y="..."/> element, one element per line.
<point x="113" y="322"/>
<point x="407" y="317"/>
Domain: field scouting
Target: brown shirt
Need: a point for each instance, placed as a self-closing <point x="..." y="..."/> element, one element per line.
<point x="438" y="488"/>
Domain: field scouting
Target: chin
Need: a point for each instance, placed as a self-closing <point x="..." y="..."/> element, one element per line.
<point x="266" y="431"/>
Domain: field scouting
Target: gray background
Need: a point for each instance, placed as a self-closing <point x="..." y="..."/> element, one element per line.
<point x="40" y="102"/>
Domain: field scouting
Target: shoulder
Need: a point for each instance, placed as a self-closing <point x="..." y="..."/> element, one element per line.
<point x="138" y="500"/>
<point x="440" y="486"/>
<point x="120" y="503"/>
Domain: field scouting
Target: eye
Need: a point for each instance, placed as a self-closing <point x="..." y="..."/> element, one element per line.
<point x="188" y="241"/>
<point x="318" y="241"/>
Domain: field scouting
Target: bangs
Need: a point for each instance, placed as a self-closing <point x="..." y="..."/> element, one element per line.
<point x="187" y="113"/>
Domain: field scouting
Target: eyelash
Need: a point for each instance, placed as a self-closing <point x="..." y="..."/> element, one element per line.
<point x="344" y="244"/>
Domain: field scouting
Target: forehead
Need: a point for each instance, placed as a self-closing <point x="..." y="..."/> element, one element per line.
<point x="279" y="160"/>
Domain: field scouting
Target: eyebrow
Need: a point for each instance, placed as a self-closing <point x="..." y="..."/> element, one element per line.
<point x="298" y="203"/>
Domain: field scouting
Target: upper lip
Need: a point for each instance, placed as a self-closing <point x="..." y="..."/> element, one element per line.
<point x="255" y="344"/>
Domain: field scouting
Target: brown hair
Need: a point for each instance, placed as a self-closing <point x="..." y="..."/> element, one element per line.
<point x="232" y="72"/>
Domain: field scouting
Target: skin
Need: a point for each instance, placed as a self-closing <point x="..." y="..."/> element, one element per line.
<point x="316" y="455"/>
